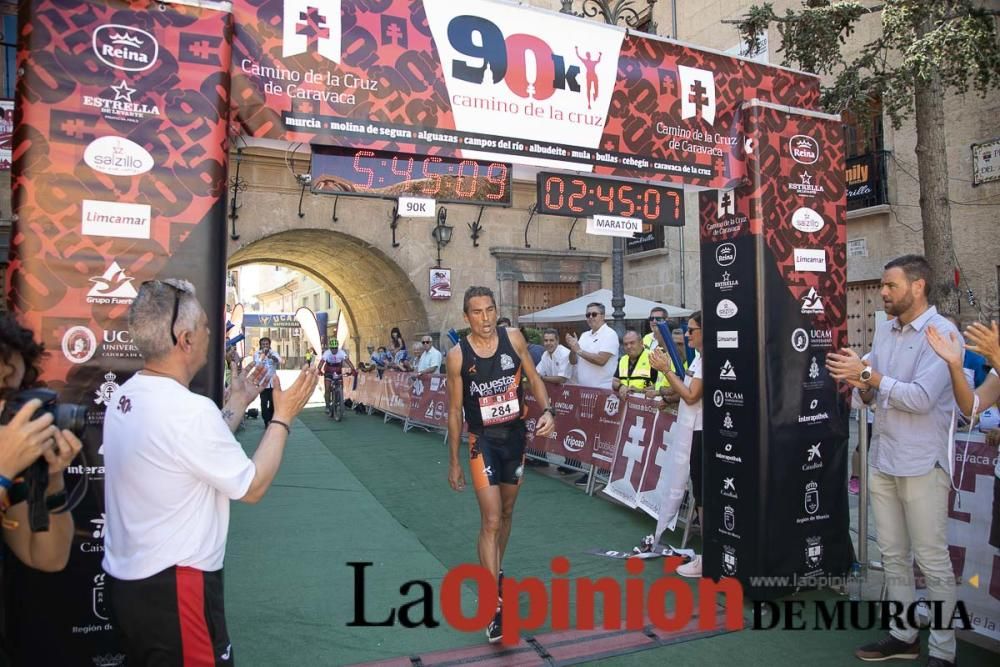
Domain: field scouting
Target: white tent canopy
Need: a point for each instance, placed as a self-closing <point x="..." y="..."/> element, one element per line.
<point x="572" y="311"/>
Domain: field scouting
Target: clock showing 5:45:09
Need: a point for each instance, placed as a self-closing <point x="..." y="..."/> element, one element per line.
<point x="581" y="196"/>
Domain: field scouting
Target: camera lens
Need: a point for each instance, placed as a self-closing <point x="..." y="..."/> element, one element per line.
<point x="71" y="417"/>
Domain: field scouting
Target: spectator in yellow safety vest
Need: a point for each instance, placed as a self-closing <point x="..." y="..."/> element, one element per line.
<point x="634" y="374"/>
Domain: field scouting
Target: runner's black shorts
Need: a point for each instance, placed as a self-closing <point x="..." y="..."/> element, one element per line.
<point x="175" y="617"/>
<point x="497" y="456"/>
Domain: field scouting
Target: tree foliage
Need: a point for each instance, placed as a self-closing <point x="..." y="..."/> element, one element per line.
<point x="956" y="40"/>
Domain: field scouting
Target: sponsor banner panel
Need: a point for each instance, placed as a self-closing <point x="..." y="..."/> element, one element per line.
<point x="634" y="445"/>
<point x="970" y="518"/>
<point x="121" y="119"/>
<point x="434" y="76"/>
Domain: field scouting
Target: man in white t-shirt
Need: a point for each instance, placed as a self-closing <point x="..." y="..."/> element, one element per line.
<point x="271" y="362"/>
<point x="595" y="352"/>
<point x="172" y="466"/>
<point x="594" y="356"/>
<point x="430" y="360"/>
<point x="554" y="366"/>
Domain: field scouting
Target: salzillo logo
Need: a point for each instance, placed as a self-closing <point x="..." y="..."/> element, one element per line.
<point x="804" y="150"/>
<point x="311" y="25"/>
<point x="108" y="218"/>
<point x="125" y="48"/>
<point x="725" y="254"/>
<point x="807" y="220"/>
<point x="117" y="156"/>
<point x="810" y="259"/>
<point x="726" y="309"/>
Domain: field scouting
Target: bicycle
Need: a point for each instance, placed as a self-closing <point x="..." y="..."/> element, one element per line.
<point x="334" y="395"/>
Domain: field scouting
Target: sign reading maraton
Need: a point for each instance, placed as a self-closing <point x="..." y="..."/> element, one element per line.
<point x="608" y="225"/>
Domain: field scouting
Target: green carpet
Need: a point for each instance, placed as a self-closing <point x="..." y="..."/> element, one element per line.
<point x="364" y="491"/>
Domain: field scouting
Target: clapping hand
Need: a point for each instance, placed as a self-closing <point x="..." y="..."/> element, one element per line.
<point x="246" y="384"/>
<point x="949" y="349"/>
<point x="984" y="340"/>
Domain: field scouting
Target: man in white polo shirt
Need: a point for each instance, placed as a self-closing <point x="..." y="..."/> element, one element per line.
<point x="594" y="354"/>
<point x="172" y="466"/>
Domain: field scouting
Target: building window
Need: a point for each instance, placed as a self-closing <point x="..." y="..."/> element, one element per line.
<point x="651" y="238"/>
<point x="866" y="160"/>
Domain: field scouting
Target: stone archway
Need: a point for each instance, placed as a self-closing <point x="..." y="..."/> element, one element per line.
<point x="374" y="293"/>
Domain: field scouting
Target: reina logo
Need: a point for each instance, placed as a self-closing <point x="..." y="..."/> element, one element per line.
<point x="725" y="254"/>
<point x="125" y="48"/>
<point x="803" y="149"/>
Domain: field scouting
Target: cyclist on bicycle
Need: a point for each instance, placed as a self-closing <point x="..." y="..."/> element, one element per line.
<point x="332" y="365"/>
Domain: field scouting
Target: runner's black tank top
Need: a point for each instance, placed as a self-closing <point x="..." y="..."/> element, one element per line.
<point x="492" y="395"/>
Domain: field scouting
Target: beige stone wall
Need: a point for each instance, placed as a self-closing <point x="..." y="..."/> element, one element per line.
<point x="354" y="257"/>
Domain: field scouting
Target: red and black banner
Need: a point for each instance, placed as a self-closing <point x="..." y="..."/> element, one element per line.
<point x="774" y="272"/>
<point x="119" y="176"/>
<point x="481" y="78"/>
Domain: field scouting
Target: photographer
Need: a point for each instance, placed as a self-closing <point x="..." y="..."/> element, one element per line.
<point x="172" y="468"/>
<point x="22" y="441"/>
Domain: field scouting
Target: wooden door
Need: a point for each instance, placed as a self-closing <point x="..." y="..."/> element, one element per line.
<point x="533" y="297"/>
<point x="863" y="301"/>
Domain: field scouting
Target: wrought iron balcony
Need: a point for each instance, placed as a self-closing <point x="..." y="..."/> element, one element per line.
<point x="866" y="180"/>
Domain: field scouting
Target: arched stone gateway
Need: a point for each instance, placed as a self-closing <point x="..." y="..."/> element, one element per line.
<point x="374" y="292"/>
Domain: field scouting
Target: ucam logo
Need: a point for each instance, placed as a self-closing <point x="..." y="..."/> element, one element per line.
<point x="575" y="441"/>
<point x="717" y="398"/>
<point x="800" y="340"/>
<point x="725" y="254"/>
<point x="726" y="309"/>
<point x="125" y="48"/>
<point x="803" y="149"/>
<point x="79" y="344"/>
<point x="310" y="25"/>
<point x="117" y="156"/>
<point x="807" y="220"/>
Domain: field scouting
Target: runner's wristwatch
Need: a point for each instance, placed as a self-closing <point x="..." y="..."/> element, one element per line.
<point x="551" y="410"/>
<point x="866" y="374"/>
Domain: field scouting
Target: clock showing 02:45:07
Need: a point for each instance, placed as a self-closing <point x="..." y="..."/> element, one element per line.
<point x="576" y="195"/>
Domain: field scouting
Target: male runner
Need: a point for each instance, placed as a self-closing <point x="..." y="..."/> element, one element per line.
<point x="484" y="379"/>
<point x="332" y="366"/>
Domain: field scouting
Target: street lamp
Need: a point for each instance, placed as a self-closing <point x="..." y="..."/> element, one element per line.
<point x="613" y="11"/>
<point x="441" y="232"/>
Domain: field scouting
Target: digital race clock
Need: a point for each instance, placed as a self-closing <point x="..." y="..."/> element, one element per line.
<point x="360" y="171"/>
<point x="586" y="196"/>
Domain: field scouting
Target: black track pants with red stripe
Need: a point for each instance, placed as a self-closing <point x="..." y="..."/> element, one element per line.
<point x="175" y="618"/>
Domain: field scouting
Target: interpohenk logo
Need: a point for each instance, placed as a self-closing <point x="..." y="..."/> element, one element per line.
<point x="312" y="26"/>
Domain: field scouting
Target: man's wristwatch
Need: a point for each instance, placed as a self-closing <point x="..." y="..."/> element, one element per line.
<point x="551" y="410"/>
<point x="866" y="374"/>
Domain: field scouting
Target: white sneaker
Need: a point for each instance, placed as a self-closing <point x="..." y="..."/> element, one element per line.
<point x="692" y="569"/>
